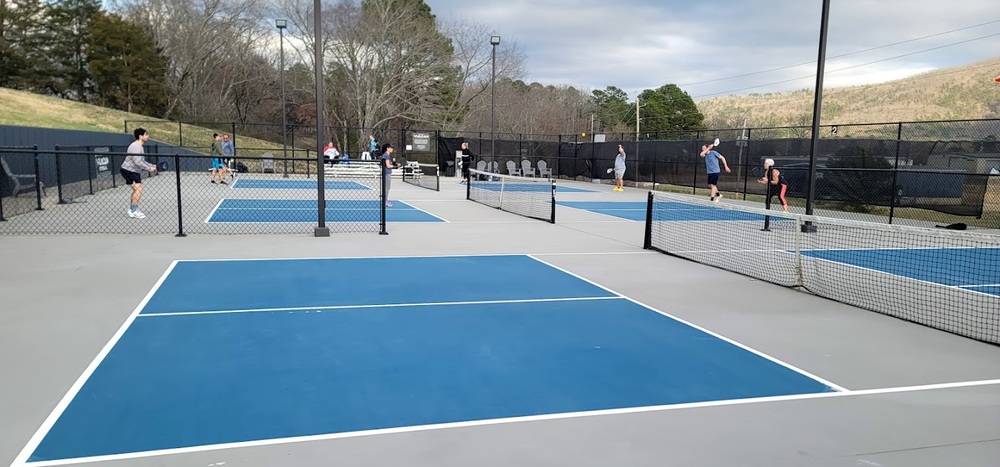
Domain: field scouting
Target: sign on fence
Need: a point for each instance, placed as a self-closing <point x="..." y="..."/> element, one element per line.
<point x="422" y="142"/>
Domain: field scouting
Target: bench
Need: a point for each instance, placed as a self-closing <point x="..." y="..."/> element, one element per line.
<point x="22" y="182"/>
<point x="362" y="171"/>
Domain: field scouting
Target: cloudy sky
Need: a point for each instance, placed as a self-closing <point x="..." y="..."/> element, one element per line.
<point x="719" y="47"/>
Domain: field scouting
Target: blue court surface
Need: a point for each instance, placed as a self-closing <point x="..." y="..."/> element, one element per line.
<point x="528" y="187"/>
<point x="304" y="211"/>
<point x="966" y="268"/>
<point x="286" y="184"/>
<point x="334" y="347"/>
<point x="664" y="211"/>
<point x="631" y="210"/>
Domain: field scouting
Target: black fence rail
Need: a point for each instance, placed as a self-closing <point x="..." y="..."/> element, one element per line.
<point x="921" y="173"/>
<point x="81" y="191"/>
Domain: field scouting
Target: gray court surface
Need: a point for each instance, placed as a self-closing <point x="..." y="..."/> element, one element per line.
<point x="915" y="396"/>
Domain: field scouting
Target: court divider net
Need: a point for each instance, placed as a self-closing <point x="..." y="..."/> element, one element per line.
<point x="944" y="279"/>
<point x="423" y="175"/>
<point x="524" y="196"/>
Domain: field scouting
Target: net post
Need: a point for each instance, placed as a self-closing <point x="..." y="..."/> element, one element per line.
<point x="382" y="199"/>
<point x="799" y="280"/>
<point x="647" y="241"/>
<point x="767" y="200"/>
<point x="552" y="219"/>
<point x="468" y="185"/>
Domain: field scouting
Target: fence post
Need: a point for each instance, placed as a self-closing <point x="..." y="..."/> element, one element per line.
<point x="180" y="135"/>
<point x="895" y="172"/>
<point x="90" y="167"/>
<point x="38" y="181"/>
<point x="694" y="184"/>
<point x="126" y="126"/>
<point x="656" y="155"/>
<point x="746" y="170"/>
<point x="59" y="190"/>
<point x="180" y="215"/>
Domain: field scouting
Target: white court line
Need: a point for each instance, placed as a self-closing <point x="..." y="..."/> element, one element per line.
<point x="616" y="218"/>
<point x="706" y="331"/>
<point x="33" y="443"/>
<point x="376" y="208"/>
<point x="456" y="255"/>
<point x="500" y="421"/>
<point x="978" y="285"/>
<point x="423" y="211"/>
<point x="903" y="248"/>
<point x="380" y="305"/>
<point x="212" y="212"/>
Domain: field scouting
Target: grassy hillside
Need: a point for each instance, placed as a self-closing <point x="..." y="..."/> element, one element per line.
<point x="27" y="109"/>
<point x="966" y="92"/>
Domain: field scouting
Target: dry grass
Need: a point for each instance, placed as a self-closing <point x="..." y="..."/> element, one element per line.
<point x="966" y="92"/>
<point x="34" y="110"/>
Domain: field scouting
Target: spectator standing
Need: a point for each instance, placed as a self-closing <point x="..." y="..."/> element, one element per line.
<point x="218" y="163"/>
<point x="387" y="166"/>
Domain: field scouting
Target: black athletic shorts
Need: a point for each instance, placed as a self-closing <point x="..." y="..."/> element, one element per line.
<point x="131" y="177"/>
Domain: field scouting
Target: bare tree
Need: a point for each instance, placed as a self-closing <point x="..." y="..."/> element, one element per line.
<point x="199" y="37"/>
<point x="473" y="60"/>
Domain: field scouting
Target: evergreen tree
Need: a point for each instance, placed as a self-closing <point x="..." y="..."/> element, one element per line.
<point x="669" y="111"/>
<point x="127" y="69"/>
<point x="70" y="22"/>
<point x="23" y="41"/>
<point x="612" y="108"/>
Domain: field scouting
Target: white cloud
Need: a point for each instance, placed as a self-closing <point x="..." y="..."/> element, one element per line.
<point x="637" y="44"/>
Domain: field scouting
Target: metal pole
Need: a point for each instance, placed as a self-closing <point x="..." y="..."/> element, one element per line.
<point x="284" y="116"/>
<point x="493" y="110"/>
<point x="895" y="173"/>
<point x="817" y="110"/>
<point x="59" y="182"/>
<point x="180" y="210"/>
<point x="38" y="181"/>
<point x="321" y="230"/>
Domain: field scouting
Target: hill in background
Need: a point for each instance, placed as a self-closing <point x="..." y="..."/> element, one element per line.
<point x="966" y="92"/>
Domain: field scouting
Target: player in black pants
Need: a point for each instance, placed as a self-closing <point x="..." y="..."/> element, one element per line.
<point x="467" y="156"/>
<point x="775" y="182"/>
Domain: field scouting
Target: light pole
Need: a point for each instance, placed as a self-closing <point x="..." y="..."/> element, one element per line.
<point x="281" y="25"/>
<point x="495" y="41"/>
<point x="321" y="230"/>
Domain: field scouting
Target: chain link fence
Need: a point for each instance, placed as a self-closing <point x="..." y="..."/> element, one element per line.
<point x="81" y="191"/>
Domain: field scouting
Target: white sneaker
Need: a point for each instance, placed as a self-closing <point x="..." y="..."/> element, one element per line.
<point x="137" y="214"/>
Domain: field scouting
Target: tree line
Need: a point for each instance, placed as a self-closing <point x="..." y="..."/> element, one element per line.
<point x="387" y="64"/>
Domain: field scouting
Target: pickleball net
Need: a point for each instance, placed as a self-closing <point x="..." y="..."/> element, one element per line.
<point x="524" y="196"/>
<point x="944" y="279"/>
<point x="423" y="175"/>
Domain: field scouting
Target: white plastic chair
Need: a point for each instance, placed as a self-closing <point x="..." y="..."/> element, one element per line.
<point x="526" y="169"/>
<point x="543" y="169"/>
<point x="512" y="168"/>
